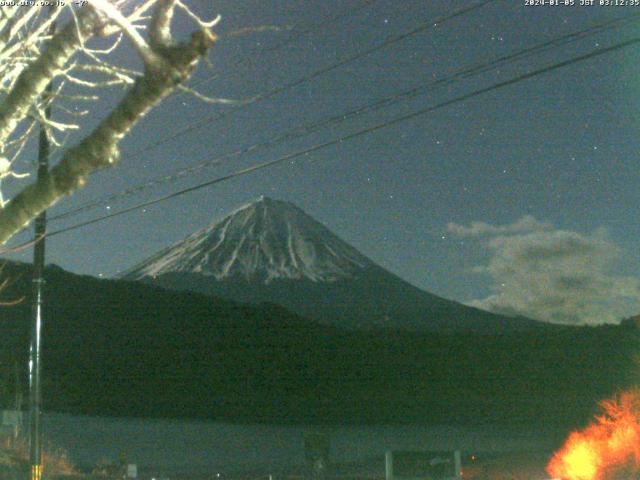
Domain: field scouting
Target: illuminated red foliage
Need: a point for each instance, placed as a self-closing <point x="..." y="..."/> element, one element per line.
<point x="608" y="449"/>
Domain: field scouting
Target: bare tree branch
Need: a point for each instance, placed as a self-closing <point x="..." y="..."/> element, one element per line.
<point x="160" y="28"/>
<point x="33" y="80"/>
<point x="170" y="65"/>
<point x="140" y="44"/>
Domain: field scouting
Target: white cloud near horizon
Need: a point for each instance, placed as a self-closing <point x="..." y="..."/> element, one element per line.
<point x="554" y="275"/>
<point x="524" y="225"/>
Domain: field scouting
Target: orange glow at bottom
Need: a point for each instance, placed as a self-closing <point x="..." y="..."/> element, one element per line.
<point x="608" y="448"/>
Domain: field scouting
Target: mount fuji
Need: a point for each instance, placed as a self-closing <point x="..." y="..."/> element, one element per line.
<point x="272" y="251"/>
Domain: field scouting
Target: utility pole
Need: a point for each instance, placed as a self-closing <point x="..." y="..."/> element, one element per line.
<point x="35" y="392"/>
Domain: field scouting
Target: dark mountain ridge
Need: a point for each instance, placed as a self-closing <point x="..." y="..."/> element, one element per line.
<point x="114" y="347"/>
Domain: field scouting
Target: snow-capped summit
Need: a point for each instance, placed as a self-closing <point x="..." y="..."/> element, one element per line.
<point x="271" y="251"/>
<point x="261" y="241"/>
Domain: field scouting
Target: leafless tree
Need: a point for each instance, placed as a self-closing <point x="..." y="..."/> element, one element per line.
<point x="32" y="57"/>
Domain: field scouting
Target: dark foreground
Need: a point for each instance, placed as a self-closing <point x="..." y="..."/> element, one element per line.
<point x="119" y="348"/>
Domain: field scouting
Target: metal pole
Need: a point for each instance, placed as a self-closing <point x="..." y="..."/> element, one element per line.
<point x="457" y="460"/>
<point x="388" y="465"/>
<point x="35" y="391"/>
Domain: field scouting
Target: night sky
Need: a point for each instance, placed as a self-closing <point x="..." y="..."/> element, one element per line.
<point x="522" y="199"/>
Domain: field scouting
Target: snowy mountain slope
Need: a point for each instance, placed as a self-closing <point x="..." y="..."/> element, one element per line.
<point x="261" y="241"/>
<point x="272" y="251"/>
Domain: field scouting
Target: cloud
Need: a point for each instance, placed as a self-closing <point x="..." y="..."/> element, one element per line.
<point x="553" y="275"/>
<point x="525" y="224"/>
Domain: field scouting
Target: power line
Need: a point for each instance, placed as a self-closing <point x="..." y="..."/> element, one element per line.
<point x="307" y="78"/>
<point x="207" y="120"/>
<point x="359" y="133"/>
<point x="296" y="35"/>
<point x="299" y="132"/>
